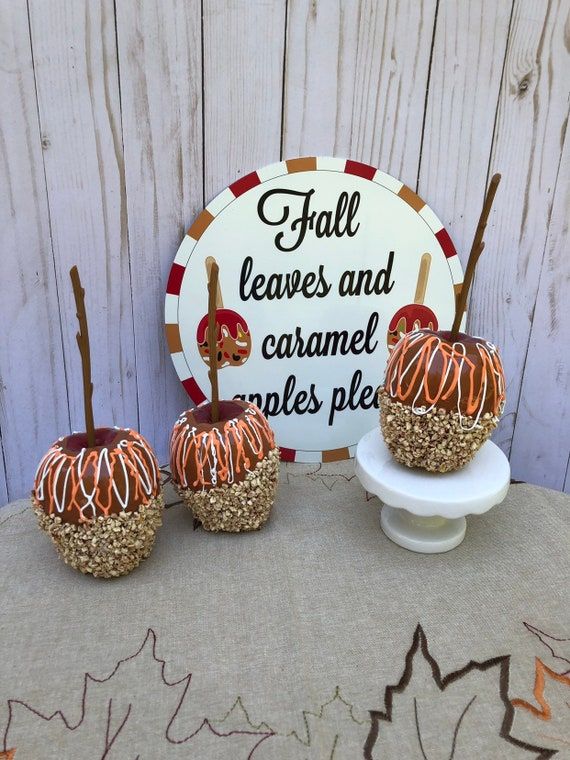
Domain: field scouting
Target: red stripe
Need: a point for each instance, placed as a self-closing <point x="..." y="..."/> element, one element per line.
<point x="192" y="389"/>
<point x="361" y="170"/>
<point x="446" y="243"/>
<point x="287" y="455"/>
<point x="241" y="186"/>
<point x="175" y="279"/>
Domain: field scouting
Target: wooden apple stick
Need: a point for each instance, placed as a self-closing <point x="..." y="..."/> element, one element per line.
<point x="423" y="275"/>
<point x="476" y="251"/>
<point x="83" y="343"/>
<point x="210" y="261"/>
<point x="213" y="272"/>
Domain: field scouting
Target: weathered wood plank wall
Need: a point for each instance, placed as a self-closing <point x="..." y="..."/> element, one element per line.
<point x="120" y="119"/>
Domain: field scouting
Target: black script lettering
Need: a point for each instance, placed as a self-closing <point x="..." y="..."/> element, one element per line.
<point x="301" y="221"/>
<point x="281" y="285"/>
<point x="341" y="399"/>
<point x="365" y="282"/>
<point x="325" y="223"/>
<point x="330" y="343"/>
<point x="292" y="401"/>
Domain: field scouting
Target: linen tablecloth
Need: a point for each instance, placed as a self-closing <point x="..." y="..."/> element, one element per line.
<point x="313" y="638"/>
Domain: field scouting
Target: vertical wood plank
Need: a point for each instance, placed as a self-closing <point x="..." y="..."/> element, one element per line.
<point x="3" y="486"/>
<point x="33" y="397"/>
<point x="541" y="439"/>
<point x="243" y="84"/>
<point x="76" y="73"/>
<point x="161" y="95"/>
<point x="533" y="108"/>
<point x="467" y="65"/>
<point x="319" y="77"/>
<point x="356" y="81"/>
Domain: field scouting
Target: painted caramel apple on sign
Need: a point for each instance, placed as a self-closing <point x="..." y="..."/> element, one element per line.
<point x="97" y="494"/>
<point x="223" y="457"/>
<point x="233" y="339"/>
<point x="415" y="315"/>
<point x="444" y="391"/>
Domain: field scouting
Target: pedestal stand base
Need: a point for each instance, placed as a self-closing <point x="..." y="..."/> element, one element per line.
<point x="430" y="535"/>
<point x="425" y="511"/>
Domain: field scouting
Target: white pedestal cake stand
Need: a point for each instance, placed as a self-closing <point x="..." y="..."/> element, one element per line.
<point x="423" y="511"/>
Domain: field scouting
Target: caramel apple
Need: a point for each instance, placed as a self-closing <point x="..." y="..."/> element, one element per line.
<point x="444" y="391"/>
<point x="97" y="494"/>
<point x="226" y="471"/>
<point x="223" y="457"/>
<point x="441" y="400"/>
<point x="100" y="504"/>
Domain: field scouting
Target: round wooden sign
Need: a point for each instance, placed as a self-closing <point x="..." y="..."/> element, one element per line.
<point x="323" y="264"/>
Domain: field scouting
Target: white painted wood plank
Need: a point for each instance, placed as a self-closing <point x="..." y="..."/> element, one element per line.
<point x="319" y="77"/>
<point x="467" y="64"/>
<point x="541" y="440"/>
<point x="243" y="76"/>
<point x="33" y="398"/>
<point x="356" y="81"/>
<point x="3" y="487"/>
<point x="533" y="108"/>
<point x="76" y="73"/>
<point x="161" y="97"/>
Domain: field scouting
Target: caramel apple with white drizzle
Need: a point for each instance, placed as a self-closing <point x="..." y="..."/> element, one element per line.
<point x="444" y="391"/>
<point x="223" y="457"/>
<point x="97" y="494"/>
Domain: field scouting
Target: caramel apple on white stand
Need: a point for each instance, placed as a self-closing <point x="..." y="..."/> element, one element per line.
<point x="223" y="457"/>
<point x="442" y="397"/>
<point x="444" y="391"/>
<point x="97" y="494"/>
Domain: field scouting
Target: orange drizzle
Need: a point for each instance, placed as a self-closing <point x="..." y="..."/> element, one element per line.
<point x="408" y="375"/>
<point x="209" y="458"/>
<point x="97" y="482"/>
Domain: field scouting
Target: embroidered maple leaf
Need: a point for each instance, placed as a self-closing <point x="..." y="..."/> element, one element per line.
<point x="327" y="475"/>
<point x="463" y="715"/>
<point x="548" y="720"/>
<point x="332" y="732"/>
<point x="132" y="712"/>
<point x="8" y="754"/>
<point x="557" y="646"/>
<point x="237" y="718"/>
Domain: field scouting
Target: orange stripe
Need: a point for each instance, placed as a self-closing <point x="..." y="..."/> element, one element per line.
<point x="203" y="221"/>
<point x="308" y="164"/>
<point x="335" y="455"/>
<point x="411" y="198"/>
<point x="173" y="338"/>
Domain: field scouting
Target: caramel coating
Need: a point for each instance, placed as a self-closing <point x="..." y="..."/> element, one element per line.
<point x="80" y="484"/>
<point x="206" y="455"/>
<point x="428" y="370"/>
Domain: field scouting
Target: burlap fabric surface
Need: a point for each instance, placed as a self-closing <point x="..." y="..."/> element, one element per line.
<point x="314" y="638"/>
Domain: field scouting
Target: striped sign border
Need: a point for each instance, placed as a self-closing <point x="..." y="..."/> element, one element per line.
<point x="241" y="186"/>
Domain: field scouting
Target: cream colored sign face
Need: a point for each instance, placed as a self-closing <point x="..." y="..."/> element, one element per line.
<point x="323" y="263"/>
